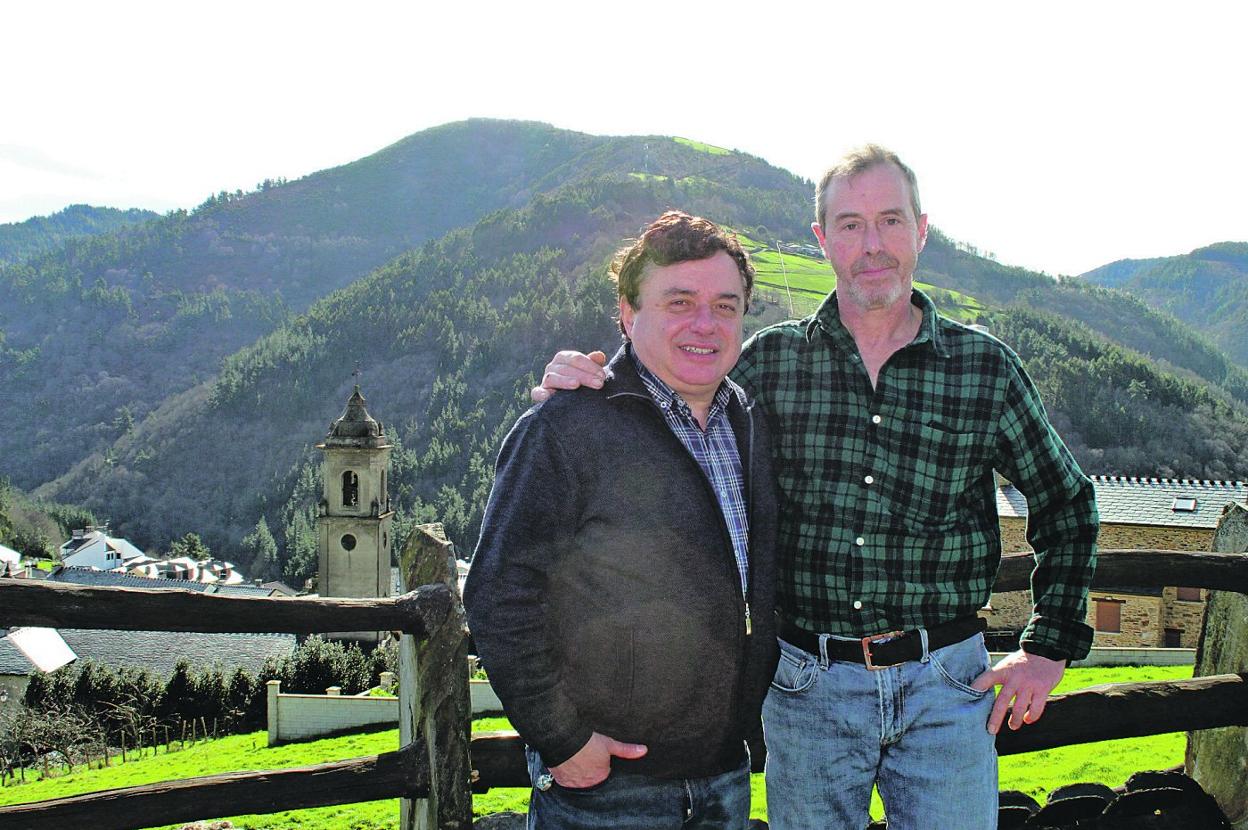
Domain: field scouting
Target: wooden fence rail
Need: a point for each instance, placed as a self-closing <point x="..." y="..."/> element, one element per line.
<point x="404" y="773"/>
<point x="1144" y="569"/>
<point x="63" y="605"/>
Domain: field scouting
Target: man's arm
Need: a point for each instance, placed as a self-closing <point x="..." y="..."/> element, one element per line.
<point x="570" y="370"/>
<point x="1062" y="526"/>
<point x="527" y="524"/>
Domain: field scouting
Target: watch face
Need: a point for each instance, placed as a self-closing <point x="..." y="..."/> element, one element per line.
<point x="347" y="542"/>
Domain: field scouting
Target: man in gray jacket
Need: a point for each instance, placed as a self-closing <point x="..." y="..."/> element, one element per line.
<point x="621" y="595"/>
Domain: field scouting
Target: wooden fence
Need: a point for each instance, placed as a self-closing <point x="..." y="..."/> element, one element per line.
<point x="436" y="769"/>
<point x="430" y="772"/>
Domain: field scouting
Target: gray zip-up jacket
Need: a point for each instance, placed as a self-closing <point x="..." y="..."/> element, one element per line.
<point x="604" y="594"/>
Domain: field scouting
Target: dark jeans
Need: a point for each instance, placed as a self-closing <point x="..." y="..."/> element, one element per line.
<point x="627" y="801"/>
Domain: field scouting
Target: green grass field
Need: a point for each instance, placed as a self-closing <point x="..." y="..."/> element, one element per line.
<point x="701" y="147"/>
<point x="1109" y="762"/>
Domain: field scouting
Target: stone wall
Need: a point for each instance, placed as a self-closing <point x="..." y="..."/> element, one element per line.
<point x="1185" y="616"/>
<point x="1217" y="758"/>
<point x="1144" y="618"/>
<point x="301" y="717"/>
<point x="1140" y="617"/>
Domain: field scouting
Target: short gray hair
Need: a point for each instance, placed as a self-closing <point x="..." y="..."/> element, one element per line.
<point x="860" y="160"/>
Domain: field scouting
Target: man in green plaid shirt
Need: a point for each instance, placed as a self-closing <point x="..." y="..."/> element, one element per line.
<point x="888" y="421"/>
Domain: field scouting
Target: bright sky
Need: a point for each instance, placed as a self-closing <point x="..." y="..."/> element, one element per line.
<point x="1059" y="135"/>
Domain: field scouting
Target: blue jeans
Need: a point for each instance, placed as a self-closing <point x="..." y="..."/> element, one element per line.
<point x="628" y="801"/>
<point x="917" y="730"/>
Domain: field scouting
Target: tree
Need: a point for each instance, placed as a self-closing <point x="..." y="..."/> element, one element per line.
<point x="262" y="548"/>
<point x="190" y="545"/>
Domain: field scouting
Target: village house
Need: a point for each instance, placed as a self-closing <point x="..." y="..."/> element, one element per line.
<point x="92" y="547"/>
<point x="1142" y="513"/>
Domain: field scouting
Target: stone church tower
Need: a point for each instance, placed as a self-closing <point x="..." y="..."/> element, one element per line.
<point x="354" y="524"/>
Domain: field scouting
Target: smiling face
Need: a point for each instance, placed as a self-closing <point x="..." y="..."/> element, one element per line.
<point x="872" y="237"/>
<point x="686" y="327"/>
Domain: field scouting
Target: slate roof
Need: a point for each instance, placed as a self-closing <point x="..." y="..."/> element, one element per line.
<point x="90" y="576"/>
<point x="43" y="648"/>
<point x="159" y="651"/>
<point x="12" y="661"/>
<point x="1128" y="500"/>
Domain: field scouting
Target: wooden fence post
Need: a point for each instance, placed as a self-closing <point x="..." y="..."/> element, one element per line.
<point x="1217" y="757"/>
<point x="434" y="700"/>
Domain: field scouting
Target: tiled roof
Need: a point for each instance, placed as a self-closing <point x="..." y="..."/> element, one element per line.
<point x="159" y="651"/>
<point x="236" y="590"/>
<point x="12" y="661"/>
<point x="1130" y="500"/>
<point x="43" y="647"/>
<point x="90" y="576"/>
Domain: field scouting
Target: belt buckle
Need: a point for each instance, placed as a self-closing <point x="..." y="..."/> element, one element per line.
<point x="869" y="640"/>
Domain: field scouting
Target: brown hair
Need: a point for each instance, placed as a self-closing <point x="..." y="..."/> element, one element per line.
<point x="857" y="161"/>
<point x="676" y="237"/>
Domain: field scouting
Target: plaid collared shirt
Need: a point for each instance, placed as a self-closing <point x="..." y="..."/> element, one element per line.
<point x="888" y="504"/>
<point x="715" y="450"/>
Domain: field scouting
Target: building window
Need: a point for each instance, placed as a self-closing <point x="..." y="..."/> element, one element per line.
<point x="348" y="542"/>
<point x="1174" y="637"/>
<point x="350" y="489"/>
<point x="1109" y="616"/>
<point x="1189" y="594"/>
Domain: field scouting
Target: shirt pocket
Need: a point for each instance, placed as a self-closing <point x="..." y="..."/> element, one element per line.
<point x="934" y="464"/>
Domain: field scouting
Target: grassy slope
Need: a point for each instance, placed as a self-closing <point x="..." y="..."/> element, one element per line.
<point x="1036" y="773"/>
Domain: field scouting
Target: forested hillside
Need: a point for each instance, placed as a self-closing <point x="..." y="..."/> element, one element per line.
<point x="1207" y="289"/>
<point x="447" y="338"/>
<point x="217" y="435"/>
<point x="100" y="331"/>
<point x="39" y="234"/>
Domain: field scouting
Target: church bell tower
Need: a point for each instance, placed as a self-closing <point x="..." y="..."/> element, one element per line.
<point x="354" y="524"/>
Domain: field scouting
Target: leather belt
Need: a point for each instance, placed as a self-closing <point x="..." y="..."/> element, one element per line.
<point x="879" y="651"/>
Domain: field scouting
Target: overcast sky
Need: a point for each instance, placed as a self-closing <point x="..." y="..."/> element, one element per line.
<point x="1059" y="135"/>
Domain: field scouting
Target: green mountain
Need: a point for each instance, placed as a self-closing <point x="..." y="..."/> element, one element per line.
<point x="449" y="334"/>
<point x="1207" y="289"/>
<point x="100" y="331"/>
<point x="21" y="240"/>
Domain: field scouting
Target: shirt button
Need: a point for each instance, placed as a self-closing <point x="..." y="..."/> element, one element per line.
<point x="860" y="541"/>
<point x="875" y="419"/>
<point x="857" y="605"/>
<point x="869" y="479"/>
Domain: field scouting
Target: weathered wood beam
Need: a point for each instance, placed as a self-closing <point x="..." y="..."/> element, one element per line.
<point x="1144" y="569"/>
<point x="1101" y="713"/>
<point x="65" y="605"/>
<point x="1130" y="710"/>
<point x="390" y="775"/>
<point x="434" y="700"/>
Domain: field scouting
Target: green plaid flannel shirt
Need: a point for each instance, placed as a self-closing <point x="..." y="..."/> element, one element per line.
<point x="887" y="496"/>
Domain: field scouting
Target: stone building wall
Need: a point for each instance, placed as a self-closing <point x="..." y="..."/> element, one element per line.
<point x="1185" y="616"/>
<point x="1144" y="618"/>
<point x="1140" y="618"/>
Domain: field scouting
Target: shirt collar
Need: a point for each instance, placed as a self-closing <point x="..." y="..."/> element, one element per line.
<point x="664" y="394"/>
<point x="828" y="319"/>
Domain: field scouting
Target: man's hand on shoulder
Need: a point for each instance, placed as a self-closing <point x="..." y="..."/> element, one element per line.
<point x="1026" y="680"/>
<point x="592" y="763"/>
<point x="570" y="370"/>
